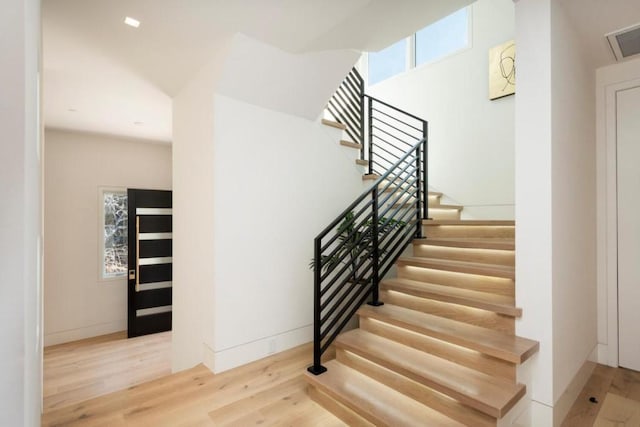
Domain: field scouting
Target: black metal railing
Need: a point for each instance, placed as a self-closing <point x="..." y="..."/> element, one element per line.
<point x="358" y="248"/>
<point x="347" y="107"/>
<point x="384" y="131"/>
<point x="391" y="132"/>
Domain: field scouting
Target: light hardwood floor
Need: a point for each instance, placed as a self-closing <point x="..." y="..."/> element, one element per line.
<point x="80" y="380"/>
<point x="617" y="400"/>
<point x="269" y="392"/>
<point x="85" y="369"/>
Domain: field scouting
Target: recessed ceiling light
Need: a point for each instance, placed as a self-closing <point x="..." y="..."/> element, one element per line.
<point x="131" y="22"/>
<point x="138" y="123"/>
<point x="71" y="110"/>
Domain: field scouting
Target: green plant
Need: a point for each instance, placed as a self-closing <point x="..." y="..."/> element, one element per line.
<point x="355" y="243"/>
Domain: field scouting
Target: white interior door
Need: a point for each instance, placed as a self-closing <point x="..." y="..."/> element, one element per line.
<point x="628" y="156"/>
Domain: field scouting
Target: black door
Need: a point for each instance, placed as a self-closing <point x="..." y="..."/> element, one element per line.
<point x="150" y="262"/>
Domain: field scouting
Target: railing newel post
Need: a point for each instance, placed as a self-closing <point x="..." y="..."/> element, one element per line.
<point x="425" y="168"/>
<point x="317" y="367"/>
<point x="375" y="260"/>
<point x="370" y="133"/>
<point x="419" y="196"/>
<point x="361" y="94"/>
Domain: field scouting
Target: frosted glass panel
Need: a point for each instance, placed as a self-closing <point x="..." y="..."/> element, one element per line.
<point x="115" y="234"/>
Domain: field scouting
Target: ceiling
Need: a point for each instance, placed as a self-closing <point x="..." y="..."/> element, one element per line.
<point x="592" y="19"/>
<point x="103" y="76"/>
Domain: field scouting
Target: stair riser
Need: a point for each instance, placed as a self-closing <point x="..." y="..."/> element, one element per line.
<point x="453" y="338"/>
<point x="489" y="256"/>
<point x="336" y="408"/>
<point x="474" y="316"/>
<point x="459" y="267"/>
<point x="471" y="359"/>
<point x="417" y="391"/>
<point x="487" y="231"/>
<point x="434" y="213"/>
<point x="444" y="214"/>
<point x="496" y="285"/>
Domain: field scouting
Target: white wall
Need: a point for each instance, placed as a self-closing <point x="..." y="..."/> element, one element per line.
<point x="243" y="225"/>
<point x="193" y="216"/>
<point x="573" y="202"/>
<point x="20" y="217"/>
<point x="555" y="204"/>
<point x="283" y="76"/>
<point x="471" y="147"/>
<point x="78" y="303"/>
<point x="278" y="180"/>
<point x="533" y="188"/>
<point x="608" y="80"/>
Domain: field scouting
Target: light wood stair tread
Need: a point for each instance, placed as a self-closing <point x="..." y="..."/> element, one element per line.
<point x="469" y="242"/>
<point x="461" y="296"/>
<point x="334" y="124"/>
<point x="374" y="401"/>
<point x="432" y="208"/>
<point x="362" y="162"/>
<point x="469" y="222"/>
<point x="493" y="343"/>
<point x="350" y="144"/>
<point x="495" y="270"/>
<point x="488" y="394"/>
<point x="452" y="207"/>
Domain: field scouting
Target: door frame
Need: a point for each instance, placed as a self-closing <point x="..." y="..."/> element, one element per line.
<point x="607" y="212"/>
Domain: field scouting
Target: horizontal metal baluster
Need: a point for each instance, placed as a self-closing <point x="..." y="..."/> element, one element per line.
<point x="419" y="129"/>
<point x="395" y="137"/>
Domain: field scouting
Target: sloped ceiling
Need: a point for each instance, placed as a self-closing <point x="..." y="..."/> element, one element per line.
<point x="103" y="76"/>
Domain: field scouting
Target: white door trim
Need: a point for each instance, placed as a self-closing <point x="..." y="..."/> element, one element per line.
<point x="608" y="228"/>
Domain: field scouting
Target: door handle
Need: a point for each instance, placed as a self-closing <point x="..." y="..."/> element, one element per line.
<point x="137" y="272"/>
<point x="132" y="274"/>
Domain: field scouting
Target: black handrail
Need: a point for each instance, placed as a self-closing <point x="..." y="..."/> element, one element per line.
<point x="354" y="240"/>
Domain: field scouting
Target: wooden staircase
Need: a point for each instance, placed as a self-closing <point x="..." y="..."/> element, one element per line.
<point x="441" y="351"/>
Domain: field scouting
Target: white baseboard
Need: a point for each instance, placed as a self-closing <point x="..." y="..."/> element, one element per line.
<point x="566" y="400"/>
<point x="61" y="337"/>
<point x="533" y="413"/>
<point x="223" y="360"/>
<point x="605" y="356"/>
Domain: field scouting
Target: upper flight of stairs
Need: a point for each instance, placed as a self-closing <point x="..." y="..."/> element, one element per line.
<point x="442" y="350"/>
<point x="437" y="210"/>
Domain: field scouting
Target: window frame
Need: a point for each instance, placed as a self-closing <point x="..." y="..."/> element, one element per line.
<point x="410" y="63"/>
<point x="101" y="243"/>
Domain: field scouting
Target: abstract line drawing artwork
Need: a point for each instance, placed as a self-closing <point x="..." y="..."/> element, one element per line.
<point x="502" y="70"/>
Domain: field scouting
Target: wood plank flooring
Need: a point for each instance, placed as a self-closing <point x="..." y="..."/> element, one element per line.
<point x="617" y="400"/>
<point x="89" y="368"/>
<point x="269" y="392"/>
<point x="80" y="377"/>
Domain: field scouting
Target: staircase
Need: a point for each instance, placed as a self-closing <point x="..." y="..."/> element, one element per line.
<point x="436" y="345"/>
<point x="442" y="349"/>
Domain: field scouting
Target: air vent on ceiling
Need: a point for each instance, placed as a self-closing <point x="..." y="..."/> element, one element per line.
<point x="625" y="42"/>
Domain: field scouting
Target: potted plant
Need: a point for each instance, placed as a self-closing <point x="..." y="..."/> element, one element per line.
<point x="356" y="244"/>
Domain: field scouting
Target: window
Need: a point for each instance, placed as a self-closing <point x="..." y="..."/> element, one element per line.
<point x="388" y="62"/>
<point x="433" y="42"/>
<point x="442" y="38"/>
<point x="114" y="233"/>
